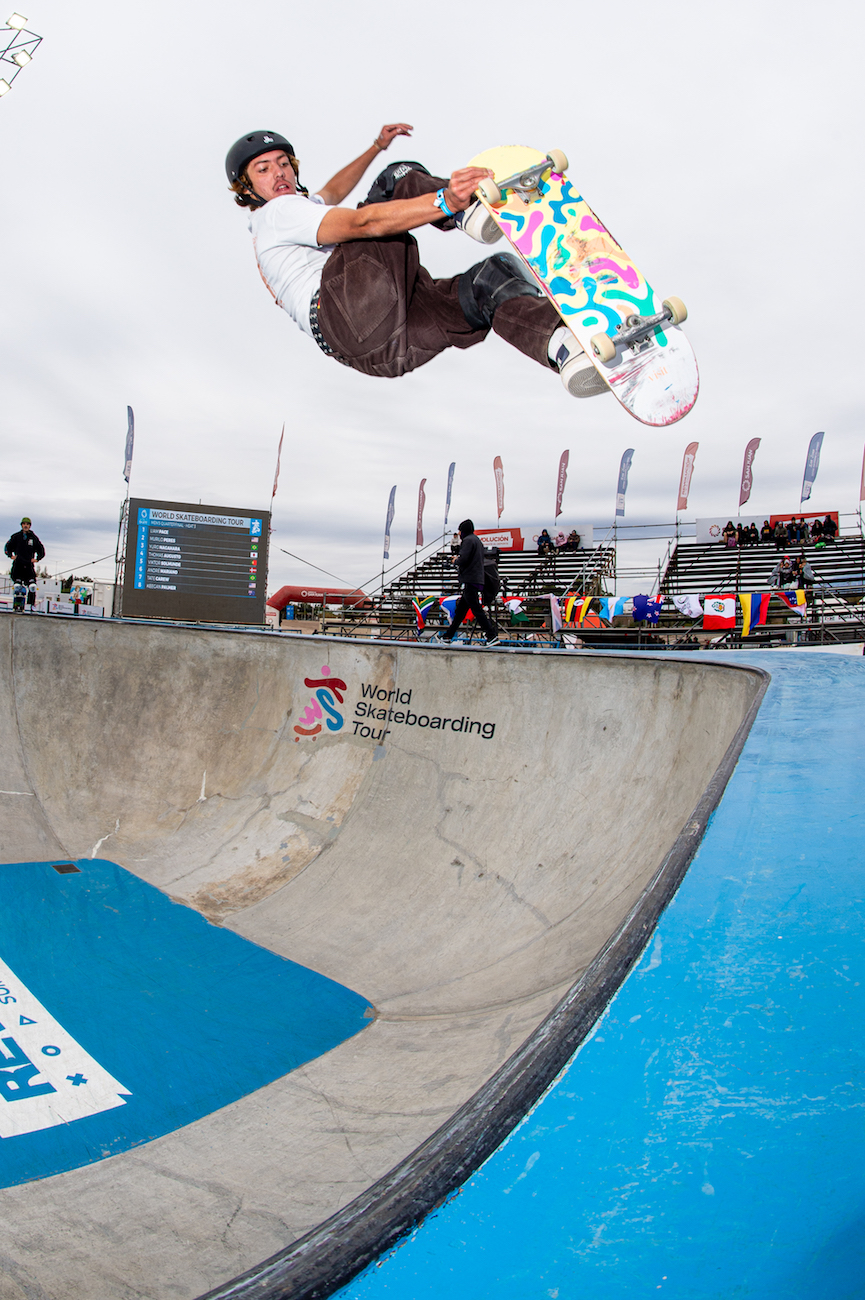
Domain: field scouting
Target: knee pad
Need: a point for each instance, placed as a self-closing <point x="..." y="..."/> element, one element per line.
<point x="383" y="186"/>
<point x="484" y="287"/>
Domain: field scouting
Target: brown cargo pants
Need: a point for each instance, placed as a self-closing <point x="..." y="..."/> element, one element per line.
<point x="382" y="313"/>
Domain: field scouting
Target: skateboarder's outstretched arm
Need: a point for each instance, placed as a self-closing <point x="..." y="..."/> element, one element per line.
<point x="345" y="180"/>
<point x="376" y="220"/>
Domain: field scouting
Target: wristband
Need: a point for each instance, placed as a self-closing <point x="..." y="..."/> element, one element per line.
<point x="439" y="201"/>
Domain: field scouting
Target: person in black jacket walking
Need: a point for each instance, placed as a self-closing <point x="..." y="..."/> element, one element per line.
<point x="25" y="550"/>
<point x="470" y="563"/>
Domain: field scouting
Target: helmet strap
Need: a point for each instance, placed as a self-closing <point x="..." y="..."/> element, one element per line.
<point x="256" y="201"/>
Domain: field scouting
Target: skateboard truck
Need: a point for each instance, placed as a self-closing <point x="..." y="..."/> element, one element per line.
<point x="524" y="183"/>
<point x="638" y="328"/>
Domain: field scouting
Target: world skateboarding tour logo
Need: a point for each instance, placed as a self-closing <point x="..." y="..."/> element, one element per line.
<point x="326" y="693"/>
<point x="377" y="704"/>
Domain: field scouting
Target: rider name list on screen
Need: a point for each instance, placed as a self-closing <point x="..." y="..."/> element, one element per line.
<point x="195" y="562"/>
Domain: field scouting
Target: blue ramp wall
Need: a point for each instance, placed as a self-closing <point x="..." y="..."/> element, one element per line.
<point x="707" y="1142"/>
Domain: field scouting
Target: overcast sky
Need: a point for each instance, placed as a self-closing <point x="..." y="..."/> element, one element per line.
<point x="721" y="143"/>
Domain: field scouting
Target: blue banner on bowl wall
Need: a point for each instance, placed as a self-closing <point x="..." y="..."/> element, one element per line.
<point x="124" y="1016"/>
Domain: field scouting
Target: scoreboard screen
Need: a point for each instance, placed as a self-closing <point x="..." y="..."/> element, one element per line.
<point x="195" y="563"/>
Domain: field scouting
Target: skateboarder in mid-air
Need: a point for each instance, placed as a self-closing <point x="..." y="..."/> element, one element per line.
<point x="351" y="278"/>
<point x="25" y="550"/>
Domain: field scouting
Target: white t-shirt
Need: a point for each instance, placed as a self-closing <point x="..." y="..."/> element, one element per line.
<point x="284" y="236"/>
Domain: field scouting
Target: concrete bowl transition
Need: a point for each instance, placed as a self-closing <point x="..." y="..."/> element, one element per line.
<point x="331" y="916"/>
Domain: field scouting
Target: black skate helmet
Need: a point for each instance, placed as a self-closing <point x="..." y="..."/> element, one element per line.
<point x="242" y="152"/>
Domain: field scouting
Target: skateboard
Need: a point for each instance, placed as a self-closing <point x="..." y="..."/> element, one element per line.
<point x="632" y="337"/>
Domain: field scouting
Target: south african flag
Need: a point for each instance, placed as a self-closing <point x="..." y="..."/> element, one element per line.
<point x="422" y="607"/>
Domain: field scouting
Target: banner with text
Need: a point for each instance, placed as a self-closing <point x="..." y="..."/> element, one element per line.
<point x="621" y="489"/>
<point x="390" y="509"/>
<point x="812" y="464"/>
<point x="747" y="475"/>
<point x="506" y="539"/>
<point x="561" y="481"/>
<point x="451" y="469"/>
<point x="130" y="442"/>
<point x="685" y="477"/>
<point x="421" y="501"/>
<point x="498" y="470"/>
<point x="526" y="539"/>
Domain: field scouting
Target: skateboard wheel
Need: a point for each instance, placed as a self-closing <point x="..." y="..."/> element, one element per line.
<point x="677" y="309"/>
<point x="603" y="347"/>
<point x="488" y="190"/>
<point x="559" y="160"/>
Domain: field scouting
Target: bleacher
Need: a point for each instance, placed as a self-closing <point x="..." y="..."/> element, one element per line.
<point x="835" y="610"/>
<point x="839" y="571"/>
<point x="522" y="573"/>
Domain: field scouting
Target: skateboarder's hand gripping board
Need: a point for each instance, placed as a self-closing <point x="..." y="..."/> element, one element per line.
<point x="632" y="337"/>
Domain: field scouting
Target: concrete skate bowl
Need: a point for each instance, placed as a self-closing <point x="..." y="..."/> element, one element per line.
<point x="294" y="930"/>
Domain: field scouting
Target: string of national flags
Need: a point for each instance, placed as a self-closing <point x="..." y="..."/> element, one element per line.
<point x="718" y="612"/>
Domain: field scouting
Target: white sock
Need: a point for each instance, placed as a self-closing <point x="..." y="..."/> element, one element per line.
<point x="558" y="337"/>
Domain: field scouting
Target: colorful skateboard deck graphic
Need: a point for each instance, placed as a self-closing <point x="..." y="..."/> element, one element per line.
<point x="594" y="286"/>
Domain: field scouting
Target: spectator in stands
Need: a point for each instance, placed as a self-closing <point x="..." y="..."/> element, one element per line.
<point x="545" y="543"/>
<point x="782" y="574"/>
<point x="753" y="535"/>
<point x="728" y="536"/>
<point x="766" y="532"/>
<point x="816" y="530"/>
<point x="573" y="541"/>
<point x="830" y="528"/>
<point x="793" y="530"/>
<point x="803" y="576"/>
<point x="806" y="532"/>
<point x="781" y="537"/>
<point x="741" y="535"/>
<point x="455" y="544"/>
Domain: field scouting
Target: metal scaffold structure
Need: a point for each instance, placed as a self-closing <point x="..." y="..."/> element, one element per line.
<point x="19" y="46"/>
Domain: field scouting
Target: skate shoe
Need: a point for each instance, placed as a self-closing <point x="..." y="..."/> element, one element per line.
<point x="578" y="374"/>
<point x="478" y="223"/>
